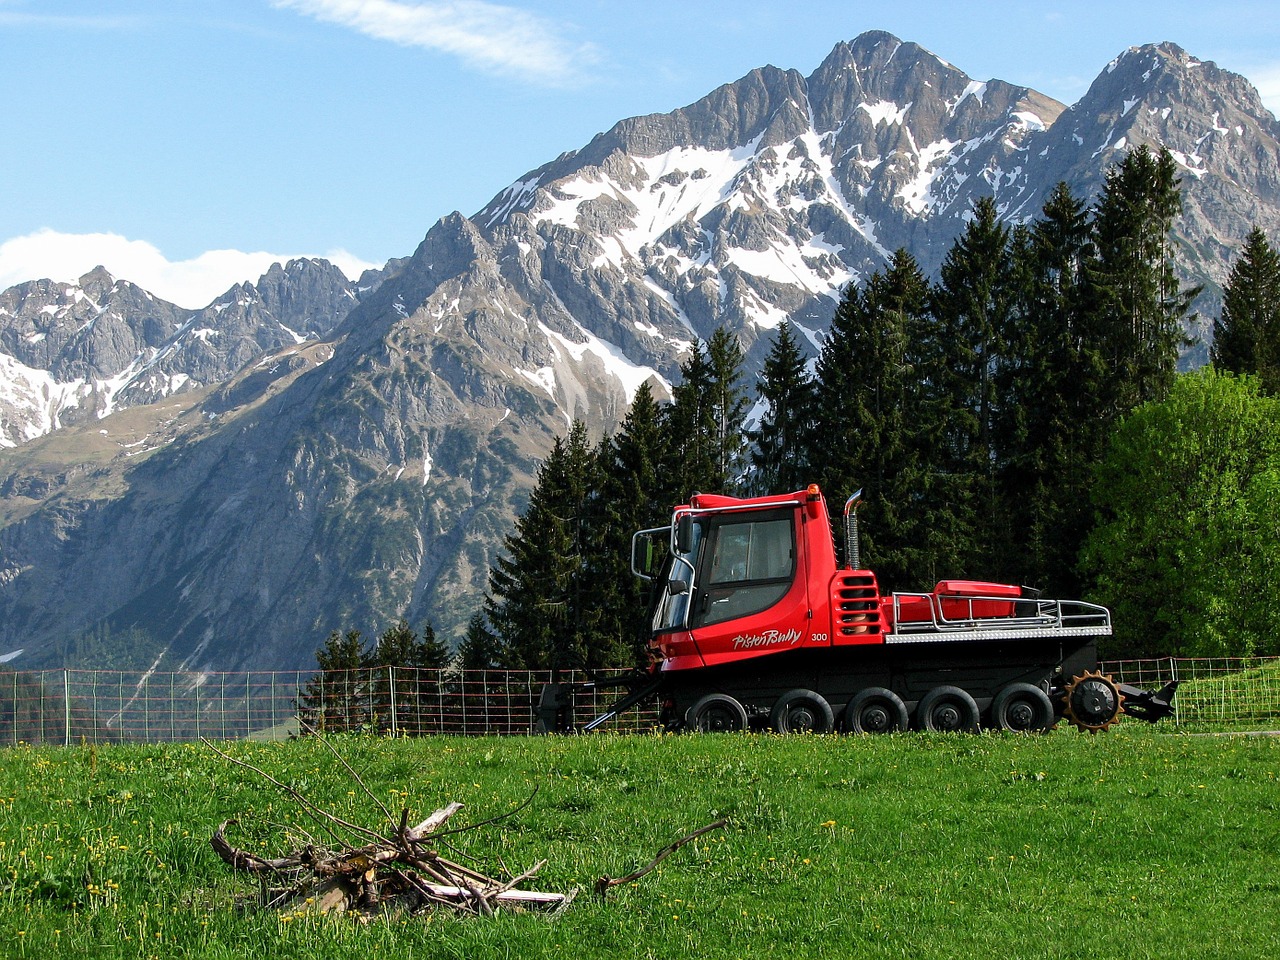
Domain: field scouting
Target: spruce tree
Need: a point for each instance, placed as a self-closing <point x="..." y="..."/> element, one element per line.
<point x="866" y="415"/>
<point x="1136" y="294"/>
<point x="1050" y="429"/>
<point x="401" y="646"/>
<point x="1246" y="335"/>
<point x="704" y="424"/>
<point x="972" y="304"/>
<point x="336" y="699"/>
<point x="841" y="445"/>
<point x="398" y="682"/>
<point x="539" y="603"/>
<point x="480" y="649"/>
<point x="689" y="426"/>
<point x="729" y="405"/>
<point x="786" y="388"/>
<point x="635" y="495"/>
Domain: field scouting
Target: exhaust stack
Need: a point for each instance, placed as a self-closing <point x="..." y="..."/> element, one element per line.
<point x="851" y="552"/>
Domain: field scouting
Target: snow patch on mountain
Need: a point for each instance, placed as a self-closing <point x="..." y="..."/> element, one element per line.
<point x="34" y="401"/>
<point x="518" y="196"/>
<point x="671" y="302"/>
<point x="935" y="159"/>
<point x="685" y="182"/>
<point x="544" y="377"/>
<point x="1192" y="163"/>
<point x="884" y="112"/>
<point x="630" y="375"/>
<point x="975" y="89"/>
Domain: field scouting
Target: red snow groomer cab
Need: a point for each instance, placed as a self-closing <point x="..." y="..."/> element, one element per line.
<point x="754" y="626"/>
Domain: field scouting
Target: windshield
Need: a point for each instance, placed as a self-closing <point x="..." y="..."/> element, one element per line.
<point x="672" y="608"/>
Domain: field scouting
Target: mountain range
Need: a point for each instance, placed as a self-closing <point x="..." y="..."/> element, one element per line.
<point x="218" y="489"/>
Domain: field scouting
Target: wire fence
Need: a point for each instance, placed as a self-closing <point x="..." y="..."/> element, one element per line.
<point x="1213" y="690"/>
<point x="100" y="706"/>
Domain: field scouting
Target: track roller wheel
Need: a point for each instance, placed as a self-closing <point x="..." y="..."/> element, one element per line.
<point x="875" y="710"/>
<point x="1022" y="708"/>
<point x="717" y="713"/>
<point x="1093" y="701"/>
<point x="947" y="709"/>
<point x="802" y="711"/>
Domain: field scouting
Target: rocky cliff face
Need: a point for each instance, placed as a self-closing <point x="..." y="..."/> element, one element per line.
<point x="343" y="454"/>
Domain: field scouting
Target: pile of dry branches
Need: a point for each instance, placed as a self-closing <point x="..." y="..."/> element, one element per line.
<point x="401" y="873"/>
<point x="398" y="870"/>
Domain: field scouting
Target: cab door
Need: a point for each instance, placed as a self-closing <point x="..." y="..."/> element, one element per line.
<point x="749" y="598"/>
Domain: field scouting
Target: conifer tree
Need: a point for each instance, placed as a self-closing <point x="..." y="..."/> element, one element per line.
<point x="689" y="425"/>
<point x="704" y="424"/>
<point x="538" y="603"/>
<point x="398" y="682"/>
<point x="1246" y="335"/>
<point x="866" y="413"/>
<point x="785" y="386"/>
<point x="401" y="646"/>
<point x="729" y="407"/>
<point x="479" y="649"/>
<point x="336" y="699"/>
<point x="1050" y="427"/>
<point x="635" y="494"/>
<point x="1136" y="294"/>
<point x="972" y="304"/>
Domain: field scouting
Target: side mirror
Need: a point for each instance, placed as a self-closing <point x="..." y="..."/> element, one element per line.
<point x="642" y="555"/>
<point x="684" y="533"/>
<point x="679" y="587"/>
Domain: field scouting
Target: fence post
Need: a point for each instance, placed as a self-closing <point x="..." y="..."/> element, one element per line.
<point x="66" y="707"/>
<point x="391" y="686"/>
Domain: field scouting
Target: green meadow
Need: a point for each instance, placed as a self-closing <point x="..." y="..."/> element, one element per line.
<point x="1141" y="842"/>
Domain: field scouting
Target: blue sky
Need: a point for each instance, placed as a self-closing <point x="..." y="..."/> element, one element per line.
<point x="188" y="143"/>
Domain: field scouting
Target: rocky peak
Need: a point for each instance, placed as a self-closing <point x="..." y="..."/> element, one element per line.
<point x="309" y="296"/>
<point x="86" y="330"/>
<point x="97" y="283"/>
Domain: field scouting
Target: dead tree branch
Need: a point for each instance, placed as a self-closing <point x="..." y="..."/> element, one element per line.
<point x="604" y="883"/>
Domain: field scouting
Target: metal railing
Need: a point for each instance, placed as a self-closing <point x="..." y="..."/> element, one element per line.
<point x="101" y="706"/>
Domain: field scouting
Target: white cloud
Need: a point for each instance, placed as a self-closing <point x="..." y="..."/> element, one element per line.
<point x="490" y="36"/>
<point x="194" y="283"/>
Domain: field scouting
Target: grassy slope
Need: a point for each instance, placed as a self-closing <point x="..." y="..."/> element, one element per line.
<point x="1133" y="844"/>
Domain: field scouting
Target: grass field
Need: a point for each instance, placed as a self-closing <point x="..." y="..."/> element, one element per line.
<point x="1137" y="843"/>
